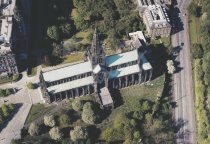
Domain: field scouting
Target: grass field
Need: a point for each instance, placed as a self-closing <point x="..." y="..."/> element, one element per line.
<point x="37" y="111"/>
<point x="73" y="58"/>
<point x="83" y="36"/>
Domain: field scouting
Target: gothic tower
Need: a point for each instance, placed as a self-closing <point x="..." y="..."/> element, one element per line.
<point x="96" y="52"/>
<point x="97" y="57"/>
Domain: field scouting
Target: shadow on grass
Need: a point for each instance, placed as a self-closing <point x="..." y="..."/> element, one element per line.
<point x="94" y="133"/>
<point x="74" y="115"/>
<point x="117" y="98"/>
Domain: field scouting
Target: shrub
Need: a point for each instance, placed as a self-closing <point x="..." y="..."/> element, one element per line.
<point x="33" y="129"/>
<point x="49" y="120"/>
<point x="55" y="133"/>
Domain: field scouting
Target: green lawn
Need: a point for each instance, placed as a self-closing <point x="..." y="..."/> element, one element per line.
<point x="37" y="111"/>
<point x="164" y="40"/>
<point x="131" y="97"/>
<point x="6" y="80"/>
<point x="194" y="29"/>
<point x="73" y="58"/>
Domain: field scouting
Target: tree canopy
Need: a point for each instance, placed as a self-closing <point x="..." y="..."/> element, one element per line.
<point x="79" y="133"/>
<point x="89" y="116"/>
<point x="53" y="33"/>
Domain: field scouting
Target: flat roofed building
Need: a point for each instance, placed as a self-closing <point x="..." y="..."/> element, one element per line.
<point x="106" y="99"/>
<point x="98" y="74"/>
<point x="157" y="21"/>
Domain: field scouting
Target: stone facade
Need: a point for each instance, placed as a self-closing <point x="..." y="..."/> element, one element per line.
<point x="157" y="21"/>
<point x="96" y="74"/>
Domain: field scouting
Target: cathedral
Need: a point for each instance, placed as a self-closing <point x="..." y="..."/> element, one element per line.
<point x="98" y="73"/>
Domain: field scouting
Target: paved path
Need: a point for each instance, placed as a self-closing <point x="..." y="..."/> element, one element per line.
<point x="13" y="128"/>
<point x="183" y="90"/>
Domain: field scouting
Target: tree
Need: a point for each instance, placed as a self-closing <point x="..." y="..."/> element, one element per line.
<point x="77" y="104"/>
<point x="65" y="29"/>
<point x="146" y="106"/>
<point x="79" y="133"/>
<point x="47" y="60"/>
<point x="30" y="85"/>
<point x="2" y="92"/>
<point x="55" y="133"/>
<point x="128" y="141"/>
<point x="136" y="135"/>
<point x="33" y="129"/>
<point x="67" y="141"/>
<point x="17" y="14"/>
<point x="193" y="9"/>
<point x="64" y="119"/>
<point x="197" y="51"/>
<point x="5" y="110"/>
<point x="53" y="33"/>
<point x="1" y="118"/>
<point x="170" y="66"/>
<point x="7" y="92"/>
<point x="57" y="50"/>
<point x="107" y="134"/>
<point x="11" y="106"/>
<point x="49" y="120"/>
<point x="15" y="141"/>
<point x="88" y="114"/>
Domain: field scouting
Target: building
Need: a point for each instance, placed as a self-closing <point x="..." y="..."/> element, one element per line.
<point x="97" y="74"/>
<point x="157" y="21"/>
<point x="143" y="4"/>
<point x="8" y="65"/>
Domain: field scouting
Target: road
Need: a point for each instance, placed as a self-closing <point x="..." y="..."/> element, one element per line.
<point x="183" y="85"/>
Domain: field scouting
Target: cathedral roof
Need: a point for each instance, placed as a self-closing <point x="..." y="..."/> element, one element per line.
<point x="117" y="59"/>
<point x="67" y="71"/>
<point x="105" y="96"/>
<point x="124" y="71"/>
<point x="71" y="85"/>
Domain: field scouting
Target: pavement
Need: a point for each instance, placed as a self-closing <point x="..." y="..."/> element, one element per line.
<point x="24" y="99"/>
<point x="183" y="95"/>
